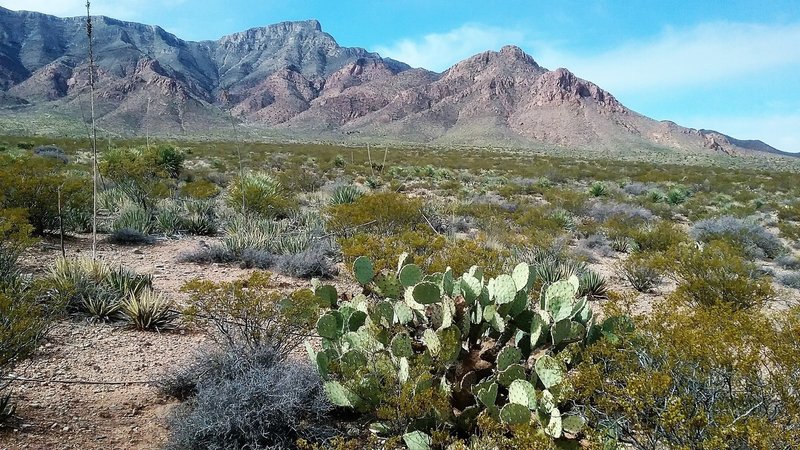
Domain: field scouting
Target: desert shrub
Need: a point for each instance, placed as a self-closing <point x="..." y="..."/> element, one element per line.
<point x="207" y="254"/>
<point x="34" y="183"/>
<point x="642" y="272"/>
<point x="249" y="399"/>
<point x="250" y="313"/>
<point x="791" y="279"/>
<point x="15" y="238"/>
<point x="636" y="188"/>
<point x="677" y="195"/>
<point x="790" y="262"/>
<point x="384" y="212"/>
<point x="718" y="273"/>
<point x="708" y="377"/>
<point x="790" y="211"/>
<point x="602" y="211"/>
<point x="53" y="152"/>
<point x="426" y="370"/>
<point x="262" y="195"/>
<point x="200" y="189"/>
<point x="316" y="260"/>
<point x="658" y="237"/>
<point x="167" y="218"/>
<point x="750" y="237"/>
<point x="143" y="174"/>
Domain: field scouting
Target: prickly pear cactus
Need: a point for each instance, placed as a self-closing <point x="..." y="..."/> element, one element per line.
<point x="494" y="346"/>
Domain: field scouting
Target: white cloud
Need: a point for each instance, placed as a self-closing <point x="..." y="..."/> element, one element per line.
<point x="699" y="56"/>
<point x="439" y="51"/>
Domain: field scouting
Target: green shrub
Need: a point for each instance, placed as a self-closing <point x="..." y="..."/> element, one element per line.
<point x="642" y="272"/>
<point x="250" y="313"/>
<point x="34" y="183"/>
<point x="145" y="175"/>
<point x="690" y="377"/>
<point x="718" y="274"/>
<point x="200" y="190"/>
<point x="382" y="213"/>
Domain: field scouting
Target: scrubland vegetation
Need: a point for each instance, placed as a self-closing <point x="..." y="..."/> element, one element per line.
<point x="441" y="299"/>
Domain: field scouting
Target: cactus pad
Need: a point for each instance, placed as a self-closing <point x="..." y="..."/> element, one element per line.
<point x="505" y="289"/>
<point x="515" y="414"/>
<point x="549" y="370"/>
<point x="410" y="275"/>
<point x="417" y="440"/>
<point x="363" y="270"/>
<point x="522" y="276"/>
<point x="507" y="357"/>
<point x="512" y="373"/>
<point x="327" y="294"/>
<point x="426" y="293"/>
<point x="522" y="393"/>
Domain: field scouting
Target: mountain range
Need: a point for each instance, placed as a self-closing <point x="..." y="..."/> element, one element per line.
<point x="292" y="79"/>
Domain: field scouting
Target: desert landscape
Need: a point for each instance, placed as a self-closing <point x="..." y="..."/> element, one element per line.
<point x="279" y="242"/>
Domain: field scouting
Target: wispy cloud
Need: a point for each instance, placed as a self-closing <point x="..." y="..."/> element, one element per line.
<point x="439" y="51"/>
<point x="693" y="57"/>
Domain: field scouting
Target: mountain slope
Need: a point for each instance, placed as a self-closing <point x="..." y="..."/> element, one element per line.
<point x="293" y="79"/>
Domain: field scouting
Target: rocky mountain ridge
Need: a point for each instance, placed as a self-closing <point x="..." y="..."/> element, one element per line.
<point x="293" y="79"/>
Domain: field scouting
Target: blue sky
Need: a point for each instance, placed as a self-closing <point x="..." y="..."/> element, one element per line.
<point x="733" y="65"/>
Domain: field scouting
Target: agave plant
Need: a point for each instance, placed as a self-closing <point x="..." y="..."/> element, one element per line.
<point x="101" y="304"/>
<point x="598" y="189"/>
<point x="592" y="285"/>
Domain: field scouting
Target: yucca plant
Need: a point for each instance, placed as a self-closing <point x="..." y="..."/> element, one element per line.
<point x="134" y="217"/>
<point x="346" y="194"/>
<point x="68" y="272"/>
<point x="592" y="285"/>
<point x="259" y="193"/>
<point x="168" y="218"/>
<point x="623" y="245"/>
<point x="148" y="311"/>
<point x="564" y="219"/>
<point x="112" y="200"/>
<point x="656" y="196"/>
<point x="598" y="189"/>
<point x="291" y="243"/>
<point x="641" y="276"/>
<point x="125" y="281"/>
<point x="101" y="304"/>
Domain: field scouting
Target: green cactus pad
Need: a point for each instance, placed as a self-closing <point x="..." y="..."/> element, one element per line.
<point x="426" y="293"/>
<point x="417" y="440"/>
<point x="383" y="314"/>
<point x="448" y="282"/>
<point x="356" y="320"/>
<point x="327" y="294"/>
<point x="515" y="414"/>
<point x="487" y="394"/>
<point x="575" y="282"/>
<point x="352" y="361"/>
<point x="450" y="339"/>
<point x="578" y="306"/>
<point x="468" y="417"/>
<point x="549" y="370"/>
<point x="537" y="328"/>
<point x="322" y="361"/>
<point x="522" y="393"/>
<point x="519" y="305"/>
<point x="410" y="275"/>
<point x="572" y="424"/>
<point x="505" y="289"/>
<point x="470" y="287"/>
<point x="476" y="272"/>
<point x="340" y="395"/>
<point x="507" y="357"/>
<point x="548" y="402"/>
<point x="554" y="427"/>
<point x="560" y="331"/>
<point x="388" y="286"/>
<point x="363" y="270"/>
<point x="498" y="323"/>
<point x="329" y="325"/>
<point x="512" y="373"/>
<point x="522" y="276"/>
<point x="559" y="300"/>
<point x="401" y="346"/>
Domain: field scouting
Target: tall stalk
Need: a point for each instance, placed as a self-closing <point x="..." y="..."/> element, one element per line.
<point x="94" y="132"/>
